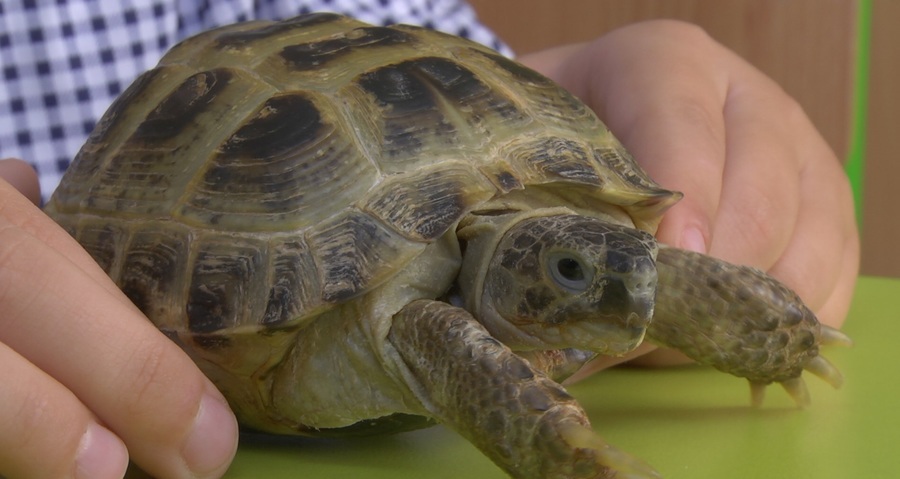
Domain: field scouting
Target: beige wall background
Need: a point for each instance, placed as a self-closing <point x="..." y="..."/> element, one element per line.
<point x="808" y="46"/>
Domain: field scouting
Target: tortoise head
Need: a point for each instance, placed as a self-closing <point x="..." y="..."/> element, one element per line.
<point x="563" y="281"/>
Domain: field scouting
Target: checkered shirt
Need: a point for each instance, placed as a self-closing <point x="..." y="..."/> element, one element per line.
<point x="62" y="62"/>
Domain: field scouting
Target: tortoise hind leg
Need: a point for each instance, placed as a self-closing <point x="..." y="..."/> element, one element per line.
<point x="526" y="423"/>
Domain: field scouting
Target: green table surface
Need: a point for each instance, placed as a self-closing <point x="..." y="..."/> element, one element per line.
<point x="688" y="422"/>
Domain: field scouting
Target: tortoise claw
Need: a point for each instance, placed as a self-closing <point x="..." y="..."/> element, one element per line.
<point x="757" y="393"/>
<point x="818" y="365"/>
<point x="824" y="369"/>
<point x="625" y="465"/>
<point x="796" y="388"/>
<point x="833" y="337"/>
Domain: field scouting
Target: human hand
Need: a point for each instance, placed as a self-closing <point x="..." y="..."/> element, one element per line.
<point x="21" y="176"/>
<point x="762" y="188"/>
<point x="87" y="379"/>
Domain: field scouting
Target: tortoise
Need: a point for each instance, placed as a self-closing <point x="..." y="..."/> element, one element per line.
<point x="356" y="230"/>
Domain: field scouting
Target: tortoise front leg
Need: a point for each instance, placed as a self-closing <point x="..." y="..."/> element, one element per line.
<point x="526" y="423"/>
<point x="741" y="321"/>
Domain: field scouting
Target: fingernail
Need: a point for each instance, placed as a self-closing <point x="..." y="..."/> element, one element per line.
<point x="692" y="239"/>
<point x="101" y="454"/>
<point x="213" y="440"/>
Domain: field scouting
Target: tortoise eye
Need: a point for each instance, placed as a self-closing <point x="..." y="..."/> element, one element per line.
<point x="569" y="271"/>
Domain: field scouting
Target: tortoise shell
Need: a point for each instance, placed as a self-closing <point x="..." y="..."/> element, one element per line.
<point x="265" y="172"/>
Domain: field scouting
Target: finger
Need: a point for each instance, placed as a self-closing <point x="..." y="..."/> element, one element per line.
<point x="834" y="311"/>
<point x="671" y="123"/>
<point x="787" y="209"/>
<point x="681" y="149"/>
<point x="760" y="200"/>
<point x="677" y="133"/>
<point x="22" y="177"/>
<point x="821" y="261"/>
<point x="32" y="443"/>
<point x="86" y="336"/>
<point x="16" y="212"/>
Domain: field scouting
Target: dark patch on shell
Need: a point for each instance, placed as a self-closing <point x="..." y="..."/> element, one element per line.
<point x="208" y="309"/>
<point x="131" y="96"/>
<point x="424" y="206"/>
<point x="178" y="110"/>
<point x="281" y="303"/>
<point x="355" y="248"/>
<point x="410" y="108"/>
<point x="399" y="88"/>
<point x="618" y="161"/>
<point x="151" y="271"/>
<point x="211" y="341"/>
<point x="295" y="281"/>
<point x="413" y="96"/>
<point x="308" y="56"/>
<point x="284" y="123"/>
<point x="507" y="181"/>
<point x="220" y="283"/>
<point x="101" y="242"/>
<point x="563" y="158"/>
<point x="463" y="87"/>
<point x="288" y="154"/>
<point x="243" y="38"/>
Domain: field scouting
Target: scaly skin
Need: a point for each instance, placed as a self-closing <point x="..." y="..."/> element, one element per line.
<point x="739" y="320"/>
<point x="526" y="423"/>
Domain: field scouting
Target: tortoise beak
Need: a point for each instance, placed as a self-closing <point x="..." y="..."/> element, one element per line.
<point x="632" y="304"/>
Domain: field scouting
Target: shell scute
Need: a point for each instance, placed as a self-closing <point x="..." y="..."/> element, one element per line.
<point x="151" y="271"/>
<point x="145" y="165"/>
<point x="359" y="41"/>
<point x="550" y="159"/>
<point x="412" y="119"/>
<point x="295" y="289"/>
<point x="180" y="108"/>
<point x="618" y="162"/>
<point x="425" y="204"/>
<point x="247" y="43"/>
<point x="228" y="280"/>
<point x="556" y="158"/>
<point x="545" y="101"/>
<point x="235" y="37"/>
<point x="357" y="252"/>
<point x="102" y="240"/>
<point x="112" y="128"/>
<point x="465" y="92"/>
<point x="284" y="122"/>
<point x="265" y="175"/>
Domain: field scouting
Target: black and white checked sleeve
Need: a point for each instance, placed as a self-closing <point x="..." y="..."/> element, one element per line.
<point x="63" y="62"/>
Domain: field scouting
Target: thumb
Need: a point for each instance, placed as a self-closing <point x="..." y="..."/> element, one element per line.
<point x="673" y="124"/>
